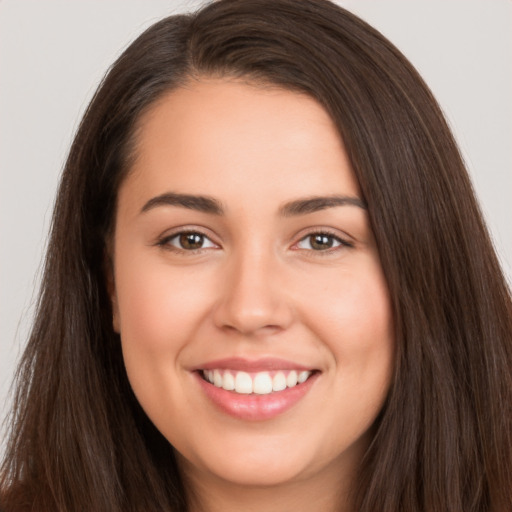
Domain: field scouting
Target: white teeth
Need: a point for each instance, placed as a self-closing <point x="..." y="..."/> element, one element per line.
<point x="279" y="382"/>
<point x="228" y="382"/>
<point x="291" y="380"/>
<point x="243" y="383"/>
<point x="217" y="378"/>
<point x="303" y="377"/>
<point x="261" y="383"/>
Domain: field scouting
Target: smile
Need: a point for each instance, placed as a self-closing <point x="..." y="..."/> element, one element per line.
<point x="260" y="383"/>
<point x="257" y="390"/>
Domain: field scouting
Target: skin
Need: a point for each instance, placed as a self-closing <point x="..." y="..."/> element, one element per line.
<point x="257" y="288"/>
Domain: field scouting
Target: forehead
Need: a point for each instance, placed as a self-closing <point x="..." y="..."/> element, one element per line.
<point x="229" y="139"/>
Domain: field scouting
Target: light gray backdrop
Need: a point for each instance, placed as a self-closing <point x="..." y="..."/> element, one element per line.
<point x="53" y="54"/>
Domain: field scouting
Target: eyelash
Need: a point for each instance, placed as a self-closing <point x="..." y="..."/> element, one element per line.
<point x="342" y="243"/>
<point x="165" y="242"/>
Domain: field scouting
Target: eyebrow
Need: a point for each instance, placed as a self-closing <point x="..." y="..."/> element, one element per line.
<point x="203" y="204"/>
<point x="317" y="203"/>
<point x="212" y="206"/>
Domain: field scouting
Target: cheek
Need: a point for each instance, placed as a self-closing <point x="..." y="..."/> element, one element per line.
<point x="159" y="308"/>
<point x="352" y="317"/>
<point x="351" y="308"/>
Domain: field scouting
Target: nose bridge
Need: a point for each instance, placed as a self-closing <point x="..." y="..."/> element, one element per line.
<point x="252" y="295"/>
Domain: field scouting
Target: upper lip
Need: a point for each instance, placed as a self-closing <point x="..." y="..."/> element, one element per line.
<point x="255" y="365"/>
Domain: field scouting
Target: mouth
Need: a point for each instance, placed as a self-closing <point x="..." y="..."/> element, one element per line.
<point x="259" y="383"/>
<point x="255" y="390"/>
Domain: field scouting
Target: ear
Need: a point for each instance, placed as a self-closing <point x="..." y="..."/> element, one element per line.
<point x="111" y="289"/>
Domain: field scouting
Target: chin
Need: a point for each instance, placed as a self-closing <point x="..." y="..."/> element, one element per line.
<point x="263" y="460"/>
<point x="255" y="472"/>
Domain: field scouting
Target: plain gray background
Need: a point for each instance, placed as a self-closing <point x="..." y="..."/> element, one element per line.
<point x="54" y="53"/>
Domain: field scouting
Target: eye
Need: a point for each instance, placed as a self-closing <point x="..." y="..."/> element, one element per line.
<point x="321" y="242"/>
<point x="187" y="241"/>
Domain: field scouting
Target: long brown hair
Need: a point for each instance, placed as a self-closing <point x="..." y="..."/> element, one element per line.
<point x="443" y="442"/>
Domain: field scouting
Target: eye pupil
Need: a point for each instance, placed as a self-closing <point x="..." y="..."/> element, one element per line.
<point x="191" y="240"/>
<point x="320" y="241"/>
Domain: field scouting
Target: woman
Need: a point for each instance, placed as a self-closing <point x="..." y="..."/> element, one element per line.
<point x="268" y="286"/>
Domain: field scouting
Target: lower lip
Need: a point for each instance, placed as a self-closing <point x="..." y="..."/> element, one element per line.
<point x="255" y="407"/>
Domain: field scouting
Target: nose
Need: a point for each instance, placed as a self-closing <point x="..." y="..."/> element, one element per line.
<point x="253" y="299"/>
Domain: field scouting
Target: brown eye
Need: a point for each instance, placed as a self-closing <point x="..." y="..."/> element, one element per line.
<point x="191" y="241"/>
<point x="187" y="241"/>
<point x="322" y="242"/>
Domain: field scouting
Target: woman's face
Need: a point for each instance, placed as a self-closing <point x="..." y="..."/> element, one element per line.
<point x="243" y="255"/>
